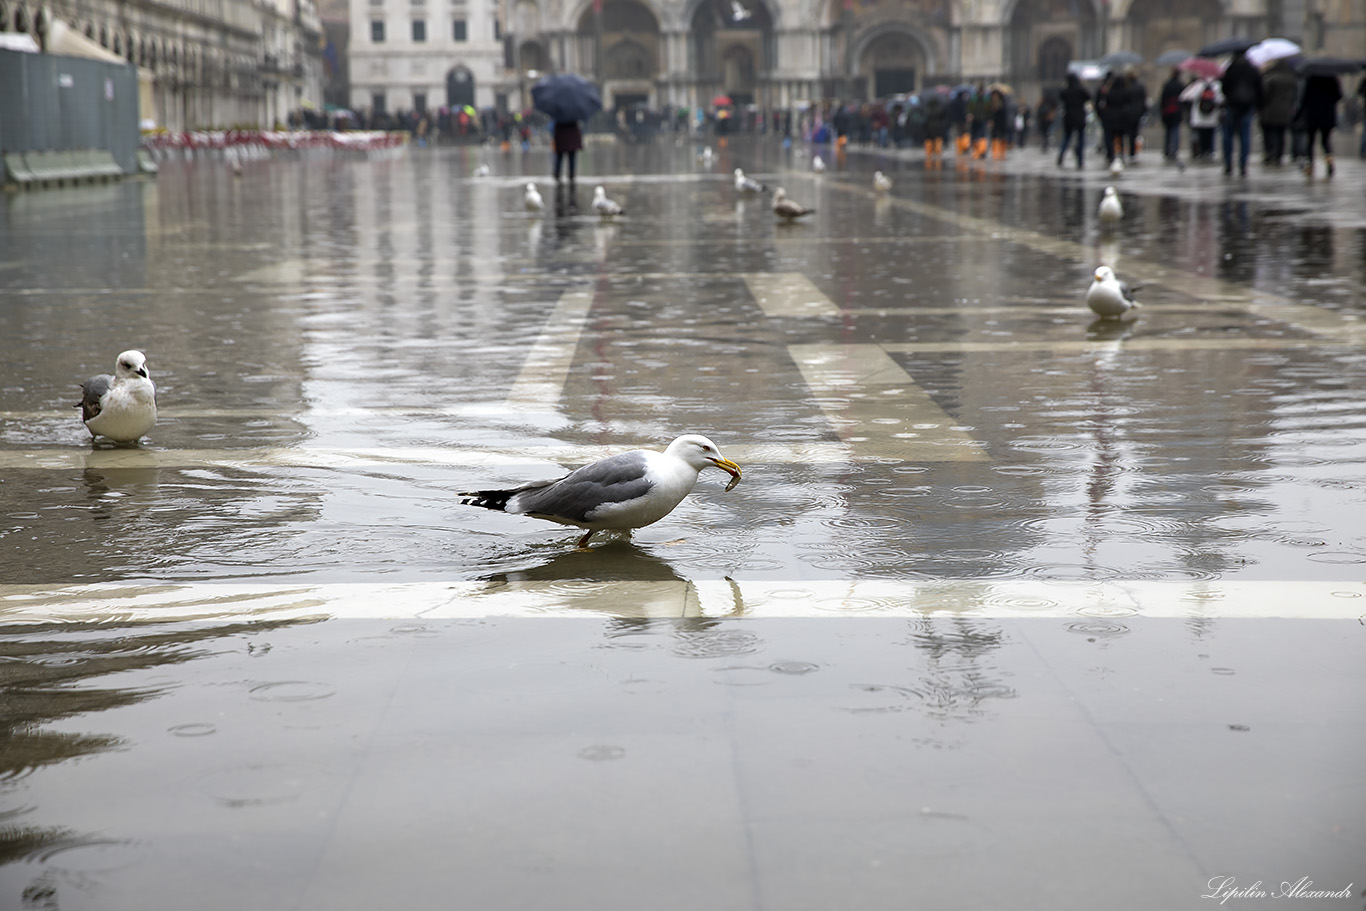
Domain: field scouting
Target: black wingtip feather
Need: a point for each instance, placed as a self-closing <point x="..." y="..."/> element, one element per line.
<point x="488" y="499"/>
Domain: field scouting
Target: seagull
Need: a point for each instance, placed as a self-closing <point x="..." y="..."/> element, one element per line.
<point x="745" y="184"/>
<point x="705" y="155"/>
<point x="121" y="407"/>
<point x="818" y="164"/>
<point x="786" y="208"/>
<point x="604" y="206"/>
<point x="738" y="13"/>
<point x="482" y="170"/>
<point x="1110" y="209"/>
<point x="881" y="182"/>
<point x="623" y="492"/>
<point x="533" y="200"/>
<point x="1116" y="167"/>
<point x="1109" y="297"/>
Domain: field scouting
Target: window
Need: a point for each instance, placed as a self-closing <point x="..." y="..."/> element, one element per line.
<point x="497" y="30"/>
<point x="377" y="102"/>
<point x="420" y="102"/>
<point x="419" y="30"/>
<point x="377" y="31"/>
<point x="458" y="31"/>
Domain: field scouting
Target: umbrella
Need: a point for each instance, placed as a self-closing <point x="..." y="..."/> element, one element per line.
<point x="1271" y="49"/>
<point x="1332" y="66"/>
<point x="1120" y="59"/>
<point x="721" y="101"/>
<point x="1000" y="87"/>
<point x="1203" y="67"/>
<point x="566" y="97"/>
<point x="1225" y="46"/>
<point x="1172" y="58"/>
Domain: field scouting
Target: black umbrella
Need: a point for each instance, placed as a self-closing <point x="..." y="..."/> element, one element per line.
<point x="1118" y="60"/>
<point x="1172" y="58"/>
<point x="1331" y="66"/>
<point x="1226" y="46"/>
<point x="566" y="96"/>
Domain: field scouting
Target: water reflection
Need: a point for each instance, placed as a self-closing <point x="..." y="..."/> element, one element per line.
<point x="49" y="673"/>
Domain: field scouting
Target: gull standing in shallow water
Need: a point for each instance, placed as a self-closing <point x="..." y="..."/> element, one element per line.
<point x="621" y="492"/>
<point x="533" y="201"/>
<point x="786" y="208"/>
<point x="747" y="185"/>
<point x="881" y="182"/>
<point x="604" y="206"/>
<point x="121" y="407"/>
<point x="1109" y="297"/>
<point x="1111" y="210"/>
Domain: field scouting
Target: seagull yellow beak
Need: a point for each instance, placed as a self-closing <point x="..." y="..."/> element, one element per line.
<point x="729" y="468"/>
<point x="1099" y="277"/>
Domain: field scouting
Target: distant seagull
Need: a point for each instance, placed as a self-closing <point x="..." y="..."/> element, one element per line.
<point x="1116" y="167"/>
<point x="1109" y="297"/>
<point x="621" y="492"/>
<point x="705" y="156"/>
<point x="1110" y="209"/>
<point x="818" y="164"/>
<point x="881" y="182"/>
<point x="747" y="185"/>
<point x="121" y="407"/>
<point x="533" y="200"/>
<point x="787" y="209"/>
<point x="604" y="206"/>
<point x="235" y="163"/>
<point x="482" y="170"/>
<point x="738" y="13"/>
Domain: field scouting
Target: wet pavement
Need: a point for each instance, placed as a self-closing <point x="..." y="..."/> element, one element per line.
<point x="1013" y="607"/>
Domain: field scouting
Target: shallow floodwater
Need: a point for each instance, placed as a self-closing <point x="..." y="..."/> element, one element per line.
<point x="1004" y="590"/>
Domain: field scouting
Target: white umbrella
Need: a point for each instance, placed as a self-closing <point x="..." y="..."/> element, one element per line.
<point x="1271" y="49"/>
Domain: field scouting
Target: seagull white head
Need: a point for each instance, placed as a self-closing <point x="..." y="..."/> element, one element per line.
<point x="700" y="452"/>
<point x="531" y="188"/>
<point x="739" y="173"/>
<point x="1109" y="191"/>
<point x="599" y="192"/>
<point x="131" y="363"/>
<point x="1105" y="274"/>
<point x="779" y="193"/>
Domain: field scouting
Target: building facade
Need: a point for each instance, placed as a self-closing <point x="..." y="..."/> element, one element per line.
<point x="202" y="63"/>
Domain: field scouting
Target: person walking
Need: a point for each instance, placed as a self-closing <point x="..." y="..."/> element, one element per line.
<point x="567" y="140"/>
<point x="1319" y="105"/>
<point x="1131" y="105"/>
<point x="1205" y="101"/>
<point x="1242" y="87"/>
<point x="1280" y="87"/>
<point x="1169" y="106"/>
<point x="1074" y="100"/>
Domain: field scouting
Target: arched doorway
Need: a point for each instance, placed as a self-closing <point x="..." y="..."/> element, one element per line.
<point x="1054" y="55"/>
<point x="459" y="88"/>
<point x="892" y="63"/>
<point x="1040" y="33"/>
<point x="531" y="56"/>
<point x="732" y="49"/>
<point x="1159" y="25"/>
<point x="626" y="50"/>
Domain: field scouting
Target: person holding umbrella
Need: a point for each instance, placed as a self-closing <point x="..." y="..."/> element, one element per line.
<point x="566" y="99"/>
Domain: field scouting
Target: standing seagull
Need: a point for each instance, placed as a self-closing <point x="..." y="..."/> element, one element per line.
<point x="533" y="200"/>
<point x="747" y="185"/>
<point x="482" y="170"/>
<point x="881" y="182"/>
<point x="121" y="407"/>
<point x="624" y="492"/>
<point x="818" y="164"/>
<point x="1110" y="209"/>
<point x="1109" y="297"/>
<point x="604" y="206"/>
<point x="786" y="208"/>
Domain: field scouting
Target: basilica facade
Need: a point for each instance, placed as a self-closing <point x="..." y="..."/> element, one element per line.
<point x="782" y="54"/>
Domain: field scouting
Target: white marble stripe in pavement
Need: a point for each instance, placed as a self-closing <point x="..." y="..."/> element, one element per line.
<point x="1110" y="604"/>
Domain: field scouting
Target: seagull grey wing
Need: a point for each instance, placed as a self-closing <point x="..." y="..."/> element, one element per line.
<point x="1128" y="290"/>
<point x="92" y="390"/>
<point x="577" y="496"/>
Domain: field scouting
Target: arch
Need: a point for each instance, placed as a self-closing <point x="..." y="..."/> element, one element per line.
<point x="628" y="59"/>
<point x="1039" y="30"/>
<point x="892" y="58"/>
<point x="460" y="86"/>
<point x="1158" y="25"/>
<point x="630" y="16"/>
<point x="630" y="40"/>
<point x="731" y="55"/>
<point x="526" y="18"/>
<point x="1055" y="52"/>
<point x="761" y="14"/>
<point x="531" y="55"/>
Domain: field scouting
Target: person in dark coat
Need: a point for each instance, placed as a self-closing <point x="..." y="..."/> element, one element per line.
<point x="1319" y="107"/>
<point x="1169" y="104"/>
<point x="1242" y="87"/>
<point x="1109" y="99"/>
<point x="1074" y="98"/>
<point x="1280" y="87"/>
<point x="1131" y="105"/>
<point x="568" y="140"/>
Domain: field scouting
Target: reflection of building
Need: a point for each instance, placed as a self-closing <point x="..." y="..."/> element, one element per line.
<point x="234" y="62"/>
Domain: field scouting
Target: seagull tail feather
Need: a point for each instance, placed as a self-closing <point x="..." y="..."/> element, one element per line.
<point x="488" y="499"/>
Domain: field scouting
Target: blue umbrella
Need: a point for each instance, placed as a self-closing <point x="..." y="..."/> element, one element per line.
<point x="566" y="96"/>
